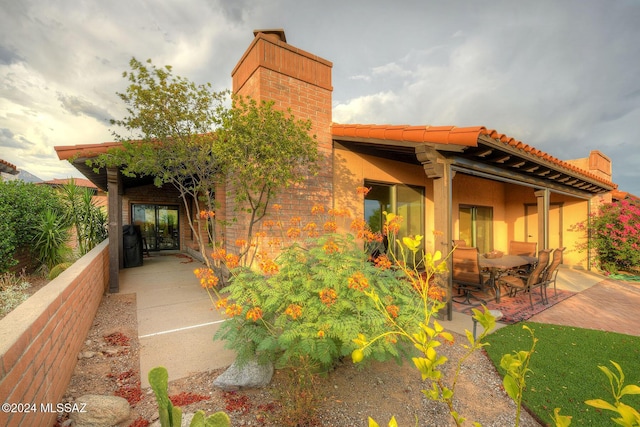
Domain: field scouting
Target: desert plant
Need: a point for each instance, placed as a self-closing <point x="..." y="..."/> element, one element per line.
<point x="88" y="219"/>
<point x="170" y="415"/>
<point x="628" y="416"/>
<point x="50" y="240"/>
<point x="310" y="303"/>
<point x="59" y="268"/>
<point x="426" y="334"/>
<point x="12" y="293"/>
<point x="302" y="309"/>
<point x="299" y="397"/>
<point x="516" y="366"/>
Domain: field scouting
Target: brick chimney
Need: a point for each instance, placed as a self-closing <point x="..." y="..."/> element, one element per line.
<point x="272" y="69"/>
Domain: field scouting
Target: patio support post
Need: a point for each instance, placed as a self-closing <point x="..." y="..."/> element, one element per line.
<point x="438" y="167"/>
<point x="542" y="197"/>
<point x="114" y="189"/>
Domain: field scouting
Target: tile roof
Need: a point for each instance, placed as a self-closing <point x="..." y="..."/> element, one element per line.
<point x="68" y="152"/>
<point x="7" y="167"/>
<point x="80" y="182"/>
<point x="448" y="135"/>
<point x="622" y="195"/>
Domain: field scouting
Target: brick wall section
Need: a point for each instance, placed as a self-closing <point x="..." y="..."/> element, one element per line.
<point x="271" y="69"/>
<point x="41" y="338"/>
<point x="25" y="261"/>
<point x="165" y="195"/>
<point x="169" y="195"/>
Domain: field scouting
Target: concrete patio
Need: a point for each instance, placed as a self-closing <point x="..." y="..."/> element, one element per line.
<point x="176" y="318"/>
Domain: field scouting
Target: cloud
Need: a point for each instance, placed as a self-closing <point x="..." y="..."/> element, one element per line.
<point x="361" y="77"/>
<point x="561" y="76"/>
<point x="9" y="140"/>
<point x="365" y="109"/>
<point x="78" y="106"/>
<point x="8" y="56"/>
<point x="391" y="69"/>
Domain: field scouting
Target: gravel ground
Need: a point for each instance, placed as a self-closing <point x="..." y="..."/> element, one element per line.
<point x="345" y="397"/>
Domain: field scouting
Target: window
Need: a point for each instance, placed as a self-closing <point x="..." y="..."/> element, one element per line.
<point x="476" y="227"/>
<point x="403" y="200"/>
<point x="158" y="224"/>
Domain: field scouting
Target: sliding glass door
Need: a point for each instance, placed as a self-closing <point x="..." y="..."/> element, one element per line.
<point x="158" y="224"/>
<point x="403" y="200"/>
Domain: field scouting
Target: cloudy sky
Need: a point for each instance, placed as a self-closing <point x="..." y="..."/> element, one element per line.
<point x="561" y="76"/>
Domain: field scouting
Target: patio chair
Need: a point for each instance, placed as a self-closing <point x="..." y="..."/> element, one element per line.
<point x="534" y="280"/>
<point x="522" y="248"/>
<point x="466" y="273"/>
<point x="459" y="243"/>
<point x="551" y="273"/>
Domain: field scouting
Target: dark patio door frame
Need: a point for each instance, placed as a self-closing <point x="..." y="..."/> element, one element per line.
<point x="157" y="226"/>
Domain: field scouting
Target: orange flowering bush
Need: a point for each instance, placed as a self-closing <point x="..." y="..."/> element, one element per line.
<point x="311" y="300"/>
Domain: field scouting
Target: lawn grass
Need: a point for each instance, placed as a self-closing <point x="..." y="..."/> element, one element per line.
<point x="565" y="368"/>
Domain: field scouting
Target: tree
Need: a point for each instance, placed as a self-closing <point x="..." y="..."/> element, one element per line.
<point x="183" y="134"/>
<point x="264" y="150"/>
<point x="172" y="129"/>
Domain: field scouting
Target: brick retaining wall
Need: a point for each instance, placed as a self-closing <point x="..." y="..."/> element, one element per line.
<point x="41" y="338"/>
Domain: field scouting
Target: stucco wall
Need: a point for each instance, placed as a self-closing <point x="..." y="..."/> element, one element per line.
<point x="41" y="338"/>
<point x="351" y="169"/>
<point x="510" y="203"/>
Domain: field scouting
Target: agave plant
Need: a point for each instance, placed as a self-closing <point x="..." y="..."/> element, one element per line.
<point x="50" y="242"/>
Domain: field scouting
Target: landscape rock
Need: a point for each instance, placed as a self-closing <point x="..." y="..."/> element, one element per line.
<point x="252" y="374"/>
<point x="100" y="411"/>
<point x="87" y="354"/>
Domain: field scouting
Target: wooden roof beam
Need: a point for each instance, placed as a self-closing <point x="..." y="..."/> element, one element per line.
<point x="484" y="153"/>
<point x="502" y="159"/>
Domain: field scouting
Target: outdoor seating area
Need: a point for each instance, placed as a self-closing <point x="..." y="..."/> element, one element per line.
<point x="480" y="278"/>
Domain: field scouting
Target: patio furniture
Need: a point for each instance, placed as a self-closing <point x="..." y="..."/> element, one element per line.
<point x="534" y="280"/>
<point x="459" y="243"/>
<point x="497" y="266"/>
<point x="522" y="248"/>
<point x="551" y="273"/>
<point x="466" y="273"/>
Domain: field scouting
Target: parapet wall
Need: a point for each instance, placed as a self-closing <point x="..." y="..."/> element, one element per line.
<point x="41" y="338"/>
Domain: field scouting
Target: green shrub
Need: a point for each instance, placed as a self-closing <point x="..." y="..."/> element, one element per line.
<point x="312" y="303"/>
<point x="21" y="205"/>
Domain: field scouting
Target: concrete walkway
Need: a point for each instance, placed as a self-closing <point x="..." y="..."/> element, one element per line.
<point x="176" y="319"/>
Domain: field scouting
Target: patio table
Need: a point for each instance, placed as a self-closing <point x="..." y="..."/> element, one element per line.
<point x="505" y="262"/>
